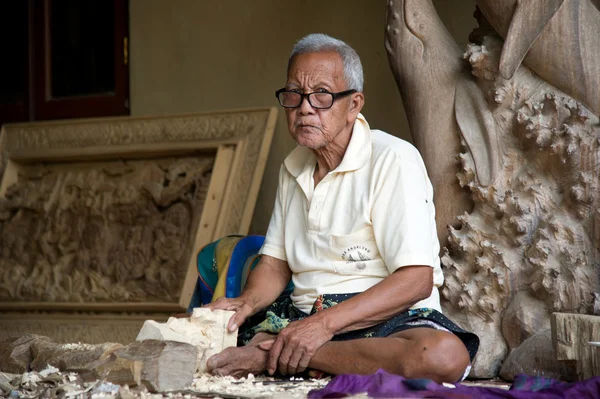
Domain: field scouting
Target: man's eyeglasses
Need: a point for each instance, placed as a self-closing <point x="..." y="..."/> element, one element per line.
<point x="317" y="99"/>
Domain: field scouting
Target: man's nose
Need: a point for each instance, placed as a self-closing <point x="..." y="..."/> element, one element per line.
<point x="305" y="108"/>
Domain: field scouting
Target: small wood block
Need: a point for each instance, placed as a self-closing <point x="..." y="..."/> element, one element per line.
<point x="571" y="335"/>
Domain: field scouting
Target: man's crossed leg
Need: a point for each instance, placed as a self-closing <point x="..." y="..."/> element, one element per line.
<point x="414" y="353"/>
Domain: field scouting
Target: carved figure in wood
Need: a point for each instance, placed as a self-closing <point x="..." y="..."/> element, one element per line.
<point x="526" y="239"/>
<point x="115" y="231"/>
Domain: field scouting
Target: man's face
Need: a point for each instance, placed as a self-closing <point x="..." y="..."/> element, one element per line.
<point x="316" y="128"/>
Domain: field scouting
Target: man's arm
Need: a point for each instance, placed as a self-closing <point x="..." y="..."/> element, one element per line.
<point x="392" y="296"/>
<point x="265" y="283"/>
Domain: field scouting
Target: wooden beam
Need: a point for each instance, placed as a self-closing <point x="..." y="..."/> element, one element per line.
<point x="208" y="223"/>
<point x="571" y="335"/>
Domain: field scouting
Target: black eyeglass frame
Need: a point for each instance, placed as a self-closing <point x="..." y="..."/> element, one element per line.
<point x="334" y="96"/>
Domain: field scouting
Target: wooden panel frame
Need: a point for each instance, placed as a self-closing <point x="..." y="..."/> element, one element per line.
<point x="240" y="138"/>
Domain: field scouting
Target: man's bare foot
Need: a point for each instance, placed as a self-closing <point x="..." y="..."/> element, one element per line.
<point x="239" y="362"/>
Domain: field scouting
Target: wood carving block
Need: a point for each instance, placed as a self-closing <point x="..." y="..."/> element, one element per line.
<point x="571" y="335"/>
<point x="71" y="357"/>
<point x="157" y="365"/>
<point x="536" y="357"/>
<point x="16" y="353"/>
<point x="206" y="330"/>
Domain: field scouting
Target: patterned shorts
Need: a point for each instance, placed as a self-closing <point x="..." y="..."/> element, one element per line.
<point x="282" y="312"/>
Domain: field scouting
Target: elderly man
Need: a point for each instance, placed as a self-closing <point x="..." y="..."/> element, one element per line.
<point x="354" y="228"/>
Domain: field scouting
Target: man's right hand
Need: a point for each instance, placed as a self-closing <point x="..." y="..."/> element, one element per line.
<point x="243" y="307"/>
<point x="266" y="282"/>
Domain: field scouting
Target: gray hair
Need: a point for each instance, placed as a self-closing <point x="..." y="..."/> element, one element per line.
<point x="319" y="42"/>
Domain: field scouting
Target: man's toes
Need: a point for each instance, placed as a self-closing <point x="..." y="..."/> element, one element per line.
<point x="218" y="360"/>
<point x="220" y="372"/>
<point x="213" y="362"/>
<point x="224" y="357"/>
<point x="229" y="371"/>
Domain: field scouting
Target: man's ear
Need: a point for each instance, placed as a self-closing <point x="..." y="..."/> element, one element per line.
<point x="357" y="101"/>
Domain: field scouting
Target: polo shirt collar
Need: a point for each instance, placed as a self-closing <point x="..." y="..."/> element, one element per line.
<point x="357" y="154"/>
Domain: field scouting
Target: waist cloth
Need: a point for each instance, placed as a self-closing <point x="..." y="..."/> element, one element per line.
<point x="282" y="312"/>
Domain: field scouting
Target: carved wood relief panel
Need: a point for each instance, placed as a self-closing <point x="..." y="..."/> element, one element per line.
<point x="108" y="214"/>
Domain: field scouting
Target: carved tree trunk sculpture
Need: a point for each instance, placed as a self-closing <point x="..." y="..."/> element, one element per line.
<point x="531" y="160"/>
<point x="416" y="40"/>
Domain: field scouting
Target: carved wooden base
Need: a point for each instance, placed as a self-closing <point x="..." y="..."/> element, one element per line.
<point x="90" y="329"/>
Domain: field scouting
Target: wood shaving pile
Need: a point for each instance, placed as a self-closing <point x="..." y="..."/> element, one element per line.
<point x="255" y="387"/>
<point x="78" y="347"/>
<point x="48" y="383"/>
<point x="51" y="383"/>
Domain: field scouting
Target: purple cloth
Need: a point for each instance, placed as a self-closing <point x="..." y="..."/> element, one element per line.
<point x="385" y="385"/>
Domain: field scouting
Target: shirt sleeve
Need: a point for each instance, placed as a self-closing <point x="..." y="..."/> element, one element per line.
<point x="403" y="214"/>
<point x="274" y="244"/>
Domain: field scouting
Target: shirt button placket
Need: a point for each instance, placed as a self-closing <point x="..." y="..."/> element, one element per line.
<point x="316" y="206"/>
<point x="313" y="214"/>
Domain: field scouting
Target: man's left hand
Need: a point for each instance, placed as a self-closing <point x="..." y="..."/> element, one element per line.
<point x="296" y="345"/>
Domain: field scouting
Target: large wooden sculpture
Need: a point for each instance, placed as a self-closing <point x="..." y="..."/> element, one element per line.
<point x="514" y="157"/>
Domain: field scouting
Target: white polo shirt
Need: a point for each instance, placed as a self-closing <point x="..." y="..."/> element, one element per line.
<point x="370" y="216"/>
